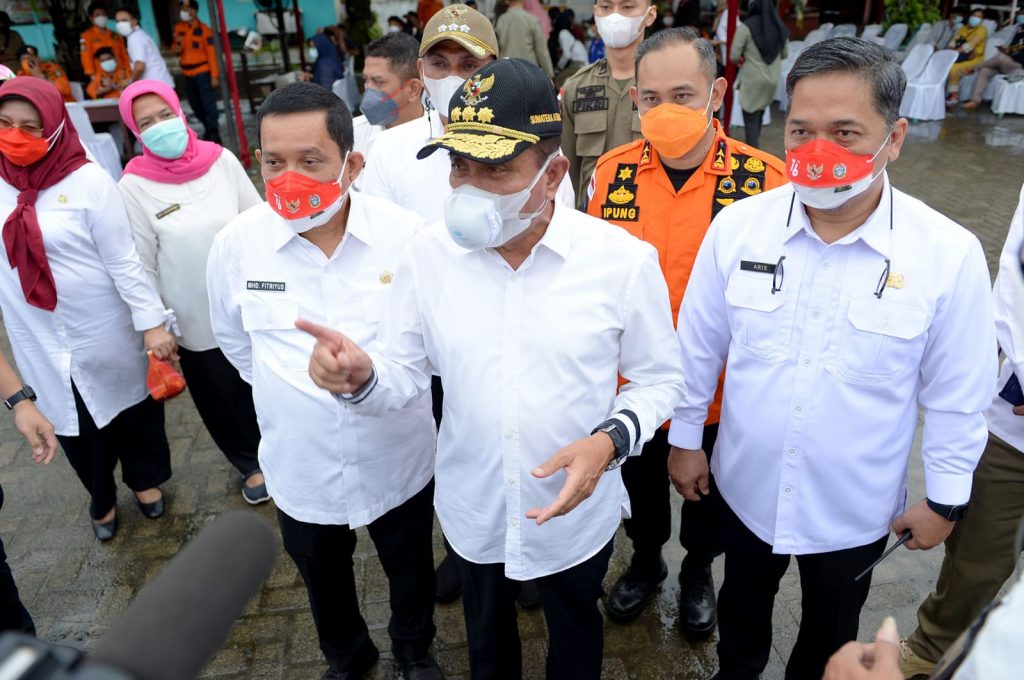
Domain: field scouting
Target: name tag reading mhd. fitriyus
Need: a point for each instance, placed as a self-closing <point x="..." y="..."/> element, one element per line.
<point x="274" y="286"/>
<point x="763" y="267"/>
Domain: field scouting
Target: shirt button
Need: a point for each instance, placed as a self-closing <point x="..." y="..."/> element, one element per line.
<point x="798" y="409"/>
<point x="513" y="523"/>
<point x="510" y="433"/>
<point x="511" y="481"/>
<point x="787" y="491"/>
<point x="815" y="314"/>
<point x="792" y="452"/>
<point x="824" y="265"/>
<point x="807" y="362"/>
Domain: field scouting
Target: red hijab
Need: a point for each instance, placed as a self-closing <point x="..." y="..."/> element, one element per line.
<point x="22" y="237"/>
<point x="199" y="155"/>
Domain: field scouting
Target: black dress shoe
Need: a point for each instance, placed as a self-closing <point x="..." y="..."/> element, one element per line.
<point x="449" y="585"/>
<point x="106" y="530"/>
<point x="423" y="669"/>
<point x="364" y="661"/>
<point x="697" y="605"/>
<point x="152" y="510"/>
<point x="529" y="596"/>
<point x="633" y="590"/>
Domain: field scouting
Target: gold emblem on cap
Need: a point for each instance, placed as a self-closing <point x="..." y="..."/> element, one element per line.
<point x="895" y="280"/>
<point x="62" y="198"/>
<point x="385" y="277"/>
<point x="455" y="115"/>
<point x="469" y="114"/>
<point x="485" y="115"/>
<point x="474" y="89"/>
<point x="621" y="196"/>
<point x="455" y="11"/>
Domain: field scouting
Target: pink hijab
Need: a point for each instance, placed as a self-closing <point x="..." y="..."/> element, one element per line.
<point x="198" y="156"/>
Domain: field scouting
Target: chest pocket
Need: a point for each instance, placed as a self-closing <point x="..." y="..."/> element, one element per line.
<point x="275" y="340"/>
<point x="879" y="342"/>
<point x="591" y="132"/>
<point x="757" y="323"/>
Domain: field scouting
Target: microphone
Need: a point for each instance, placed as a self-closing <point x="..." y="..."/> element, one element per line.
<point x="179" y="621"/>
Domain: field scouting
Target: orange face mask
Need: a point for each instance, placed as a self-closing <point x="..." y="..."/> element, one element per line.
<point x="674" y="129"/>
<point x="20" y="147"/>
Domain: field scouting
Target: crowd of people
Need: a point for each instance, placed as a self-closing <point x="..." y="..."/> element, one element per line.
<point x="534" y="312"/>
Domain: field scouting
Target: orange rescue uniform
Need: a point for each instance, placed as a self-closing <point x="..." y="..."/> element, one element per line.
<point x="55" y="75"/>
<point x="94" y="38"/>
<point x="92" y="90"/>
<point x="198" y="54"/>
<point x="631" y="189"/>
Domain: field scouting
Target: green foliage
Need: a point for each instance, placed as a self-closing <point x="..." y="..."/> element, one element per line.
<point x="913" y="13"/>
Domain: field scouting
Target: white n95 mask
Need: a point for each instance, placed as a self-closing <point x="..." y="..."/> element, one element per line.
<point x="441" y="91"/>
<point x="479" y="219"/>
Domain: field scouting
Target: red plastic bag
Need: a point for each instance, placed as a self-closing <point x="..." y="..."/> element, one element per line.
<point x="163" y="381"/>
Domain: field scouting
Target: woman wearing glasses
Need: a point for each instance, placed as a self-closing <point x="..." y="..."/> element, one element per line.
<point x="78" y="308"/>
<point x="179" y="194"/>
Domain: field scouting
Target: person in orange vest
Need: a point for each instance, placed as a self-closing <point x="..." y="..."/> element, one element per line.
<point x="111" y="77"/>
<point x="193" y="43"/>
<point x="666" y="188"/>
<point x="32" y="65"/>
<point x="97" y="36"/>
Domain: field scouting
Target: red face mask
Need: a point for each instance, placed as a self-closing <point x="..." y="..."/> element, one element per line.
<point x="294" y="196"/>
<point x="822" y="163"/>
<point x="21" y="148"/>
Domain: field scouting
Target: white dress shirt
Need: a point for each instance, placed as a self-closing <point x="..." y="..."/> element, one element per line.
<point x="824" y="379"/>
<point x="1008" y="300"/>
<point x="529" y="359"/>
<point x="421" y="185"/>
<point x="364" y="134"/>
<point x="323" y="464"/>
<point x="142" y="48"/>
<point x="174" y="226"/>
<point x="103" y="300"/>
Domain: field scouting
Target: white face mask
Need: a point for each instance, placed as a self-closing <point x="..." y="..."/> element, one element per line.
<point x="304" y="224"/>
<point x="393" y="29"/>
<point x="312" y="54"/>
<point x="185" y="15"/>
<point x="620" y="31"/>
<point x="441" y="91"/>
<point x="478" y="219"/>
<point x="124" y="28"/>
<point x="100" y="21"/>
<point x="830" y="198"/>
<point x="108" y="65"/>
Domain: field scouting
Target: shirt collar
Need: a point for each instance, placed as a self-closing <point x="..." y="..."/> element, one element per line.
<point x="875" y="232"/>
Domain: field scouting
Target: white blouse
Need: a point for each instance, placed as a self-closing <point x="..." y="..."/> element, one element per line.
<point x="174" y="226"/>
<point x="104" y="300"/>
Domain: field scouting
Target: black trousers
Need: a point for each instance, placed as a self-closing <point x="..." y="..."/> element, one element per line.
<point x="224" y="402"/>
<point x="203" y="100"/>
<point x="575" y="625"/>
<point x="752" y="127"/>
<point x="323" y="555"/>
<point x="649" y="527"/>
<point x="135" y="437"/>
<point x="830" y="602"/>
<point x="13" y="615"/>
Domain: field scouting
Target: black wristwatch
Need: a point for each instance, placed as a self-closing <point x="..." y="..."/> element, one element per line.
<point x="620" y="438"/>
<point x="21" y="395"/>
<point x="953" y="513"/>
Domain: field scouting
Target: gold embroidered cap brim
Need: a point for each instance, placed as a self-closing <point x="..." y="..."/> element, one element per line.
<point x="478" y="146"/>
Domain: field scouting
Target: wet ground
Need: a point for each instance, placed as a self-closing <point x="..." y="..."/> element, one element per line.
<point x="970" y="167"/>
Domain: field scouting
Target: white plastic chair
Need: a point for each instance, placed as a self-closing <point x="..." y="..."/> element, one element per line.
<point x="991" y="26"/>
<point x="736" y="118"/>
<point x="871" y="31"/>
<point x="1008" y="97"/>
<point x="101" y="144"/>
<point x="921" y="36"/>
<point x="893" y="38"/>
<point x="795" y="48"/>
<point x="77" y="92"/>
<point x="841" y="30"/>
<point x="815" y="37"/>
<point x="966" y="88"/>
<point x="925" y="98"/>
<point x="1005" y="33"/>
<point x="916" y="60"/>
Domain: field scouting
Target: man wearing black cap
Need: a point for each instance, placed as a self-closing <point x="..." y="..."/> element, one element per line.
<point x="533" y="312"/>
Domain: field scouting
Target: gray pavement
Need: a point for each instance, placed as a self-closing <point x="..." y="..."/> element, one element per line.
<point x="969" y="167"/>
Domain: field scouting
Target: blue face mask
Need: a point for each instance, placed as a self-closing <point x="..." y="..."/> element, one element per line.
<point x="378" y="108"/>
<point x="167" y="139"/>
<point x="974" y="22"/>
<point x="1020" y="19"/>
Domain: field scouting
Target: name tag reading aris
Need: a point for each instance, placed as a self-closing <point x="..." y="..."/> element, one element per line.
<point x="273" y="286"/>
<point x="167" y="211"/>
<point x="762" y="267"/>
